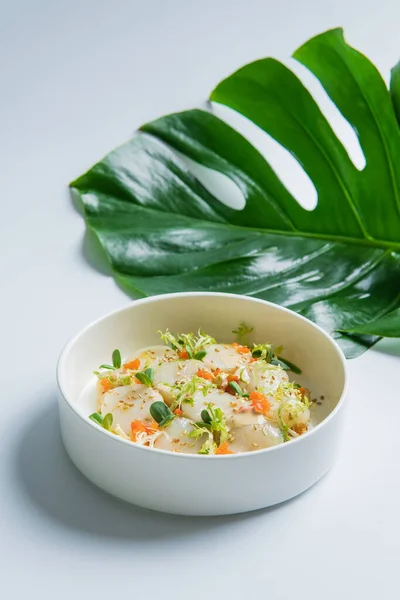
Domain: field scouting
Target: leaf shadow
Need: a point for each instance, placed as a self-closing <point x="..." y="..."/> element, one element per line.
<point x="52" y="486"/>
<point x="390" y="346"/>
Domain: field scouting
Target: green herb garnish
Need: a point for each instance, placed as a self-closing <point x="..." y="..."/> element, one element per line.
<point x="193" y="343"/>
<point x="205" y="415"/>
<point x="161" y="413"/>
<point x="236" y="387"/>
<point x="116" y="359"/>
<point x="109" y="367"/>
<point x="263" y="351"/>
<point x="290" y="366"/>
<point x="184" y="391"/>
<point x="96" y="418"/>
<point x="200" y="355"/>
<point x="146" y="377"/>
<point x="105" y="422"/>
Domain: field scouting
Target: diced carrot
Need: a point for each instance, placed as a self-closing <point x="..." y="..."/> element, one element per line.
<point x="260" y="403"/>
<point x="138" y="426"/>
<point x="204" y="374"/>
<point x="133" y="365"/>
<point x="241" y="349"/>
<point x="253" y="359"/>
<point x="233" y="378"/>
<point x="105" y="384"/>
<point x="178" y="412"/>
<point x="223" y="449"/>
<point x="216" y="372"/>
<point x="183" y="354"/>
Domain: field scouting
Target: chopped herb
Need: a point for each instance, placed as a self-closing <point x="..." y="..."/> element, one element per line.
<point x="236" y="388"/>
<point x="290" y="366"/>
<point x="280" y="363"/>
<point x="109" y="367"/>
<point x="124" y="380"/>
<point x="116" y="359"/>
<point x="161" y="413"/>
<point x="200" y="355"/>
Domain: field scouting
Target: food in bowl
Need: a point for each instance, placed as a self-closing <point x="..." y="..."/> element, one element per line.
<point x="193" y="395"/>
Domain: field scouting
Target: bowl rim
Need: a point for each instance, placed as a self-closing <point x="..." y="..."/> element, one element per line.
<point x="240" y="455"/>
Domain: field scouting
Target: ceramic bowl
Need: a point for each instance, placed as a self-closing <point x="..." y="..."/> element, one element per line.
<point x="188" y="484"/>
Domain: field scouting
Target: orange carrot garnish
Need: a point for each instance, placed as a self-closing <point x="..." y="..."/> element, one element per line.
<point x="183" y="354"/>
<point x="260" y="403"/>
<point x="140" y="427"/>
<point x="241" y="349"/>
<point x="133" y="365"/>
<point x="204" y="374"/>
<point x="105" y="384"/>
<point x="233" y="378"/>
<point x="223" y="449"/>
<point x="178" y="412"/>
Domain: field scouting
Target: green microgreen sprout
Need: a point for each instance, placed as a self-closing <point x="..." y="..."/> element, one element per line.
<point x="213" y="420"/>
<point x="146" y="377"/>
<point x="116" y="359"/>
<point x="161" y="413"/>
<point x="105" y="422"/>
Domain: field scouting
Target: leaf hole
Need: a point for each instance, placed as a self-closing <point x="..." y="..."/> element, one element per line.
<point x="286" y="167"/>
<point x="340" y="125"/>
<point x="218" y="184"/>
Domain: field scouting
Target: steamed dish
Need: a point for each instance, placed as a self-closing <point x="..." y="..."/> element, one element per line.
<point x="193" y="395"/>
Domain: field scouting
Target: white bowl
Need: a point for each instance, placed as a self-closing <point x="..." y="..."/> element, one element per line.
<point x="189" y="484"/>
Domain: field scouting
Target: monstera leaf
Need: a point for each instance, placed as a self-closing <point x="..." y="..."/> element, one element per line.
<point x="339" y="264"/>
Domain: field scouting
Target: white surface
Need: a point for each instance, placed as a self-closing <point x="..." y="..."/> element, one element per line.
<point x="191" y="484"/>
<point x="76" y="79"/>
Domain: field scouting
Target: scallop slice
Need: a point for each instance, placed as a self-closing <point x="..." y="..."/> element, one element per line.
<point x="128" y="403"/>
<point x="224" y="357"/>
<point x="152" y="356"/>
<point x="264" y="377"/>
<point x="170" y="373"/>
<point x="262" y="434"/>
<point x="175" y="437"/>
<point x="219" y="399"/>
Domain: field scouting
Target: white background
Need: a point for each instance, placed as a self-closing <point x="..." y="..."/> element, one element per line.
<point x="76" y="79"/>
